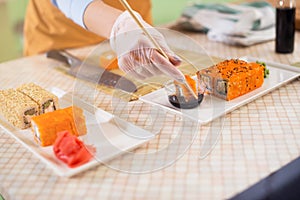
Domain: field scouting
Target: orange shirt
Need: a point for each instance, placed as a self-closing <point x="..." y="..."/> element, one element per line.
<point x="46" y="27"/>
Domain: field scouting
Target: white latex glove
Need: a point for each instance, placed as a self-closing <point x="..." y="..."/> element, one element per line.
<point x="137" y="56"/>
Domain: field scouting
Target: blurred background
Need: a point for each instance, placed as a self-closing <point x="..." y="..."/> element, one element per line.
<point x="11" y="22"/>
<point x="12" y="14"/>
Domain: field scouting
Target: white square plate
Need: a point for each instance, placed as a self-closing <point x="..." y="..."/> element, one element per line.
<point x="213" y="107"/>
<point x="108" y="137"/>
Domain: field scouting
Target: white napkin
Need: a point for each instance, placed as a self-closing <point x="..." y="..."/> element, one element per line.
<point x="244" y="24"/>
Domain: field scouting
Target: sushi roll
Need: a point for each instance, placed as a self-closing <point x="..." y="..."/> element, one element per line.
<point x="232" y="78"/>
<point x="47" y="101"/>
<point x="17" y="108"/>
<point x="46" y="126"/>
<point x="182" y="90"/>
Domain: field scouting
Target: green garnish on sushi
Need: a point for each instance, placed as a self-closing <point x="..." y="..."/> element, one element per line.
<point x="266" y="70"/>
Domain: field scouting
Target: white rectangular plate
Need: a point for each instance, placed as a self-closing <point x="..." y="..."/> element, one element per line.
<point x="109" y="139"/>
<point x="213" y="107"/>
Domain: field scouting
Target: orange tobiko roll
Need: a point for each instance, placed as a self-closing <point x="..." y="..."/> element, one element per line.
<point x="232" y="78"/>
<point x="46" y="126"/>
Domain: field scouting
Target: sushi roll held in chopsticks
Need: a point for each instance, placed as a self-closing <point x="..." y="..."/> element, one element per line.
<point x="46" y="126"/>
<point x="183" y="97"/>
<point x="47" y="101"/>
<point x="17" y="108"/>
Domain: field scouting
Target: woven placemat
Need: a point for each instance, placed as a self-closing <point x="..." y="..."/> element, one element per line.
<point x="191" y="63"/>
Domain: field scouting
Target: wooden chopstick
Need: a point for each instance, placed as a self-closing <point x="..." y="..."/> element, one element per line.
<point x="136" y="19"/>
<point x="154" y="42"/>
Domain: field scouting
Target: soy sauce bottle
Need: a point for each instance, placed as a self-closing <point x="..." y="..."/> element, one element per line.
<point x="285" y="26"/>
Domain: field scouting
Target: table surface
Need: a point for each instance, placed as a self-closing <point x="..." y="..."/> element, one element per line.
<point x="256" y="140"/>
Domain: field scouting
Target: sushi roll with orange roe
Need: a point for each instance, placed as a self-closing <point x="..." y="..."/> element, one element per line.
<point x="46" y="126"/>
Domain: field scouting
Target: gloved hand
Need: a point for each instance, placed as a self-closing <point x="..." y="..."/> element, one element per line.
<point x="137" y="56"/>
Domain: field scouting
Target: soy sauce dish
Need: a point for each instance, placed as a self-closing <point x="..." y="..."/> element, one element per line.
<point x="180" y="101"/>
<point x="180" y="96"/>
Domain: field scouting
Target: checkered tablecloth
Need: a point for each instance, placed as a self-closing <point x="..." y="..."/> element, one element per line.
<point x="256" y="140"/>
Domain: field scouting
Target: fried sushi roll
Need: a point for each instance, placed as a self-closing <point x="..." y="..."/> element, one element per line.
<point x="17" y="108"/>
<point x="46" y="126"/>
<point x="47" y="101"/>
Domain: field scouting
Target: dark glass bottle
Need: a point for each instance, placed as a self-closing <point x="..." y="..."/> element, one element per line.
<point x="285" y="26"/>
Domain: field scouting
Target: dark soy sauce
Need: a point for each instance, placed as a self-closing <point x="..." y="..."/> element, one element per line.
<point x="179" y="101"/>
<point x="285" y="30"/>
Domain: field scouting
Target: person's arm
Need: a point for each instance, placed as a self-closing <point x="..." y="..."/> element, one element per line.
<point x="100" y="18"/>
<point x="136" y="54"/>
<point x="93" y="15"/>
